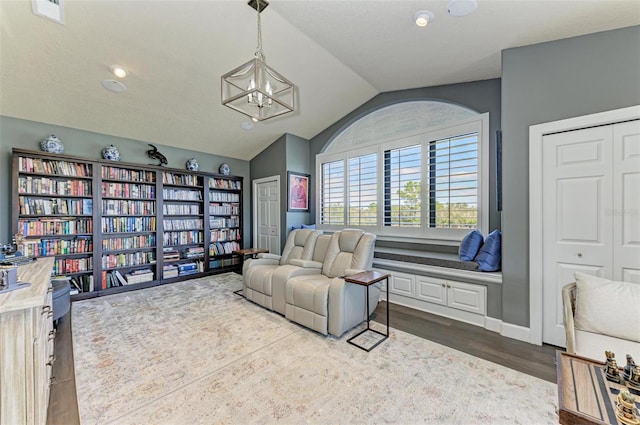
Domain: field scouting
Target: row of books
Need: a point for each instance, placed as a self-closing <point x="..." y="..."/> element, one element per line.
<point x="182" y="238"/>
<point x="182" y="194"/>
<point x="129" y="242"/>
<point x="194" y="252"/>
<point x="128" y="207"/>
<point x="139" y="276"/>
<point x="183" y="223"/>
<point x="81" y="283"/>
<point x="225" y="184"/>
<point x="55" y="226"/>
<point x="48" y="247"/>
<point x="60" y="168"/>
<point x="224" y="197"/>
<point x="216" y="222"/>
<point x="190" y="268"/>
<point x="128" y="224"/>
<point x="224" y="262"/>
<point x="114" y="278"/>
<point x="111" y="261"/>
<point x="224" y="209"/>
<point x="181" y="209"/>
<point x="128" y="190"/>
<point x="181" y="179"/>
<point x="41" y="206"/>
<point x="223" y="235"/>
<point x="170" y="254"/>
<point x="220" y="248"/>
<point x="72" y="265"/>
<point x="116" y="173"/>
<point x="48" y="186"/>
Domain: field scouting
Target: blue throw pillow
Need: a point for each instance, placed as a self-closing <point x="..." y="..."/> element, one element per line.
<point x="470" y="246"/>
<point x="310" y="226"/>
<point x="490" y="255"/>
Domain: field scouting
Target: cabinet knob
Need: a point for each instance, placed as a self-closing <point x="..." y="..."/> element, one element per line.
<point x="443" y="285"/>
<point x="579" y="254"/>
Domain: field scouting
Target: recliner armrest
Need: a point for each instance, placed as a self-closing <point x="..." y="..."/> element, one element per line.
<point x="307" y="264"/>
<point x="349" y="272"/>
<point x="263" y="261"/>
<point x="269" y="256"/>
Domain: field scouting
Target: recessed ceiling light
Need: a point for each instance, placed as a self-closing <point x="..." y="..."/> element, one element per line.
<point x="118" y="71"/>
<point x="114" y="86"/>
<point x="247" y="125"/>
<point x="461" y="7"/>
<point x="423" y="17"/>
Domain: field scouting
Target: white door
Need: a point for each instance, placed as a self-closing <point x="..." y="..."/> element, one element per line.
<point x="266" y="213"/>
<point x="626" y="201"/>
<point x="577" y="188"/>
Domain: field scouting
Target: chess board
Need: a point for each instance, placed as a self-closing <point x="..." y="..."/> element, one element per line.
<point x="584" y="394"/>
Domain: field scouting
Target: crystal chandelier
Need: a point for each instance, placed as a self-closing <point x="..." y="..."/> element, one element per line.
<point x="255" y="89"/>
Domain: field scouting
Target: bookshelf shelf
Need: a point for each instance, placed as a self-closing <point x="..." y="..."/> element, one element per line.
<point x="138" y="225"/>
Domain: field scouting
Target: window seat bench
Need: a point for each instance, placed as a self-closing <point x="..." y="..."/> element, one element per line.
<point x="440" y="283"/>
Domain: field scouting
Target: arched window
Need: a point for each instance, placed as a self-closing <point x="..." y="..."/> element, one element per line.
<point x="414" y="169"/>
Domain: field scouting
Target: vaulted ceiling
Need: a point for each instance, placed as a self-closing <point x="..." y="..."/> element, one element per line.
<point x="338" y="53"/>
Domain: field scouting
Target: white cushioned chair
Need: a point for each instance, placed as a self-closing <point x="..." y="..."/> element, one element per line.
<point x="601" y="315"/>
<point x="323" y="301"/>
<point x="257" y="274"/>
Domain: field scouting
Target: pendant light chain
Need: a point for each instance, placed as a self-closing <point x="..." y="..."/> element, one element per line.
<point x="259" y="53"/>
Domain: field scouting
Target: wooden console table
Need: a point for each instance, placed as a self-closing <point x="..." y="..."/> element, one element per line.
<point x="584" y="394"/>
<point x="248" y="252"/>
<point x="26" y="346"/>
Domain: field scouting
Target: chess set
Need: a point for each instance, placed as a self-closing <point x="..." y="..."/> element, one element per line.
<point x="627" y="402"/>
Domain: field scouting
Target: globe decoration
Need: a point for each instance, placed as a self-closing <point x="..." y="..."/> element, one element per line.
<point x="111" y="153"/>
<point x="192" y="165"/>
<point x="224" y="169"/>
<point x="52" y="144"/>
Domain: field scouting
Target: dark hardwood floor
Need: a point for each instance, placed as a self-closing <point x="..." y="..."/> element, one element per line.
<point x="474" y="340"/>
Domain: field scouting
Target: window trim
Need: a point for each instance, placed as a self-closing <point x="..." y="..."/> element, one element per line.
<point x="479" y="124"/>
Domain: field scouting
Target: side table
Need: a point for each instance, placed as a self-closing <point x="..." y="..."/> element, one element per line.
<point x="367" y="279"/>
<point x="244" y="253"/>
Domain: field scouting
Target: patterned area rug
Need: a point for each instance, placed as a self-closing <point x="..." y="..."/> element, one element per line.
<point x="194" y="352"/>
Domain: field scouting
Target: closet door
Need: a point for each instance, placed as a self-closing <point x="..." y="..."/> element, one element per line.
<point x="626" y="201"/>
<point x="577" y="218"/>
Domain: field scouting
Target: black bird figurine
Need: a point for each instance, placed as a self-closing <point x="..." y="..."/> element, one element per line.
<point x="154" y="154"/>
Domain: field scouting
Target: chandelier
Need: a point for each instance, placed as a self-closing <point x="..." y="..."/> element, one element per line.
<point x="254" y="88"/>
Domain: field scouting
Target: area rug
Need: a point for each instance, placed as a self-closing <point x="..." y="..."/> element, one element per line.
<point x="196" y="353"/>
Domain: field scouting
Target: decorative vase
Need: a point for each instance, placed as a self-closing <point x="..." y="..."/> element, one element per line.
<point x="111" y="153"/>
<point x="192" y="165"/>
<point x="224" y="169"/>
<point x="52" y="144"/>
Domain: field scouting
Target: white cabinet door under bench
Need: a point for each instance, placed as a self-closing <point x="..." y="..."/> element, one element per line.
<point x="458" y="300"/>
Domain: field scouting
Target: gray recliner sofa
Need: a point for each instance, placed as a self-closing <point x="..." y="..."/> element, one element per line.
<point x="323" y="301"/>
<point x="259" y="283"/>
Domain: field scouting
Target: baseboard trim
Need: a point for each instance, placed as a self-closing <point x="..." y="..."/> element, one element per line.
<point x="492" y="324"/>
<point x="515" y="332"/>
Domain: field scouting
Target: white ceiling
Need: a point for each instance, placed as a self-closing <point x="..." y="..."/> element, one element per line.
<point x="338" y="53"/>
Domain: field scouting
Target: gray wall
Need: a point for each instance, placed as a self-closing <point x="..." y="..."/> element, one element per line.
<point x="288" y="153"/>
<point x="549" y="82"/>
<point x="28" y="134"/>
<point x="272" y="162"/>
<point x="298" y="161"/>
<point x="481" y="96"/>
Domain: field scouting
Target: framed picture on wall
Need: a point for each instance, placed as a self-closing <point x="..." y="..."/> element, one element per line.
<point x="298" y="191"/>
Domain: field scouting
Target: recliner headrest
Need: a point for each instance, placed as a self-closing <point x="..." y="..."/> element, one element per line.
<point x="349" y="239"/>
